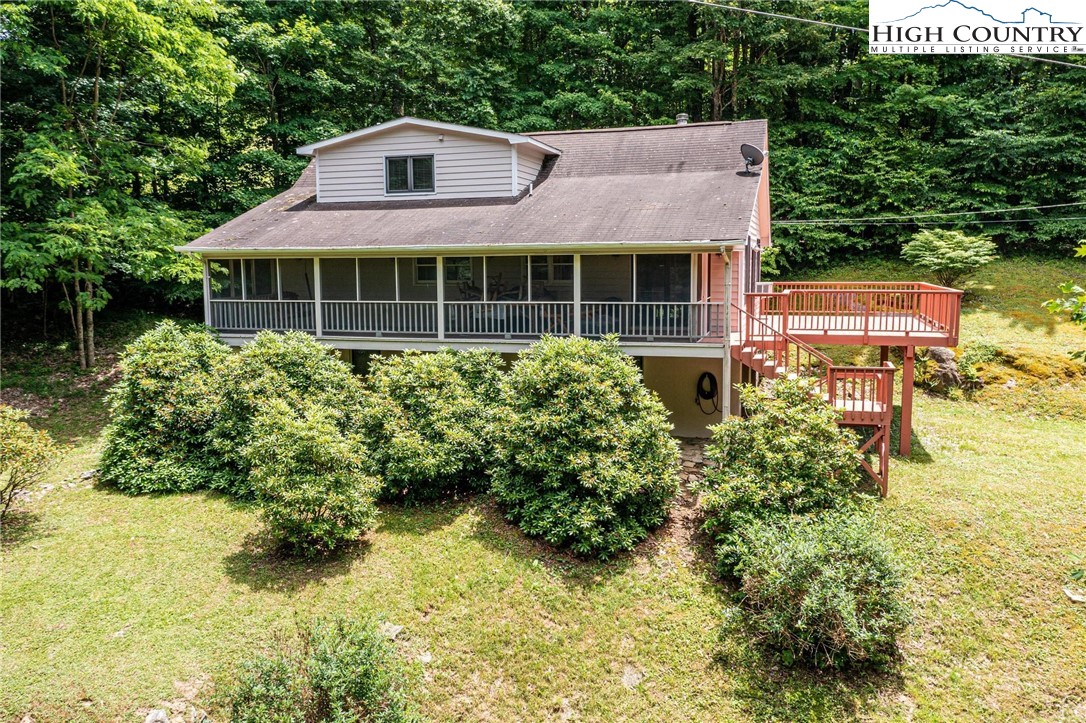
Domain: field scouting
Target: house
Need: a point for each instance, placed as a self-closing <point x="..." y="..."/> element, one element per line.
<point x="419" y="234"/>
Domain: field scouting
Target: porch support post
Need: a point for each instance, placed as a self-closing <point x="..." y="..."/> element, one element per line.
<point x="884" y="355"/>
<point x="576" y="294"/>
<point x="440" y="297"/>
<point x="905" y="441"/>
<point x="726" y="382"/>
<point x="317" y="297"/>
<point x="207" y="292"/>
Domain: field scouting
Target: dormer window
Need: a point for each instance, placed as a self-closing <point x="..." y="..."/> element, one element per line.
<point x="409" y="174"/>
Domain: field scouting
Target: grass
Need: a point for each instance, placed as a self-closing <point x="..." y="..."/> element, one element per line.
<point x="110" y="604"/>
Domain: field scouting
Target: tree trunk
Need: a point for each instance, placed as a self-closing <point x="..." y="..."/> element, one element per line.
<point x="77" y="320"/>
<point x="90" y="324"/>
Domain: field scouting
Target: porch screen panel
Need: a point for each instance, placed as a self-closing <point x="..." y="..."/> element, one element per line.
<point x="338" y="281"/>
<point x="261" y="279"/>
<point x="377" y="279"/>
<point x="296" y="276"/>
<point x="663" y="277"/>
<point x="607" y="277"/>
<point x="552" y="278"/>
<point x="225" y="278"/>
<point x="507" y="278"/>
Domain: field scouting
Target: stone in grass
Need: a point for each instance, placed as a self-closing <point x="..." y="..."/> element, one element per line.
<point x="631" y="677"/>
<point x="157" y="715"/>
<point x="389" y="630"/>
<point x="945" y="374"/>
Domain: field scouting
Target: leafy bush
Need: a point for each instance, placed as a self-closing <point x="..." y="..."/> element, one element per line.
<point x="823" y="590"/>
<point x="788" y="456"/>
<point x="334" y="670"/>
<point x="309" y="476"/>
<point x="950" y="255"/>
<point x="25" y="455"/>
<point x="292" y="367"/>
<point x="162" y="410"/>
<point x="429" y="419"/>
<point x="585" y="458"/>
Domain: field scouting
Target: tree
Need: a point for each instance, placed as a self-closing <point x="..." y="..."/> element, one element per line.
<point x="25" y="454"/>
<point x="92" y="143"/>
<point x="949" y="255"/>
<point x="1073" y="304"/>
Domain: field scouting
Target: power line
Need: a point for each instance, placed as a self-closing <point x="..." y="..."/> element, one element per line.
<point x="931" y="215"/>
<point x="776" y="15"/>
<point x="846" y="222"/>
<point x="855" y="29"/>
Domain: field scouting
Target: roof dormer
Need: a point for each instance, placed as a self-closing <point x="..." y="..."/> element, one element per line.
<point x="410" y="158"/>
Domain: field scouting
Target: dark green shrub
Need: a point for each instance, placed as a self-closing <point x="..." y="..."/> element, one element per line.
<point x="428" y="420"/>
<point x="310" y="476"/>
<point x="823" y="590"/>
<point x="788" y="456"/>
<point x="585" y="458"/>
<point x="335" y="670"/>
<point x="292" y="367"/>
<point x="162" y="408"/>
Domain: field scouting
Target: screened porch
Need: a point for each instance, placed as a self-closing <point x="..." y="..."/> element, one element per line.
<point x="645" y="297"/>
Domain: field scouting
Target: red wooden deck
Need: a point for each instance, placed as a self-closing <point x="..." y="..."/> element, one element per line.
<point x="876" y="313"/>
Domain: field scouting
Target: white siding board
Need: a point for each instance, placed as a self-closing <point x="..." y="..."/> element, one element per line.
<point x="529" y="161"/>
<point x="464" y="167"/>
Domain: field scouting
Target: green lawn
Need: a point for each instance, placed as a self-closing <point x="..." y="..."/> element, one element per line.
<point x="110" y="604"/>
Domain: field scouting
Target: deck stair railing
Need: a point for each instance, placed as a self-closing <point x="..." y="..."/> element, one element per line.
<point x="864" y="396"/>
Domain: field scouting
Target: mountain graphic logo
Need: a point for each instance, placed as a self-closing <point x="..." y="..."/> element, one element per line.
<point x="1043" y="16"/>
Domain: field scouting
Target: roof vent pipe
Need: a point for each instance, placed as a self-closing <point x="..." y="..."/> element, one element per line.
<point x="682" y="119"/>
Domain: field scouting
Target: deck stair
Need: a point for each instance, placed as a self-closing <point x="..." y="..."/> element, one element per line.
<point x="862" y="395"/>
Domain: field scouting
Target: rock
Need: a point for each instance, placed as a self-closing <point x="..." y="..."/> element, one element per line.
<point x="158" y="715"/>
<point x="945" y="374"/>
<point x="1074" y="595"/>
<point x="1011" y="384"/>
<point x="631" y="677"/>
<point x="390" y="631"/>
<point x="89" y="474"/>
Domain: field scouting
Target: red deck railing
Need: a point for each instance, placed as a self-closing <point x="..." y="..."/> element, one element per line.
<point x="862" y="312"/>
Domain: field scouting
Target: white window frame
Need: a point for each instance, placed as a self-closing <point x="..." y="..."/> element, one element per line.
<point x="411" y="175"/>
<point x="451" y="263"/>
<point x="550" y="269"/>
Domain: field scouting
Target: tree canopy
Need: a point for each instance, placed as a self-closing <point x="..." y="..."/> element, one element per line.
<point x="131" y="127"/>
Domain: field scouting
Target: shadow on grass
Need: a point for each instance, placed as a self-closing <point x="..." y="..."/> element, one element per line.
<point x="681" y="531"/>
<point x="772" y="692"/>
<point x="262" y="563"/>
<point x="20" y="527"/>
<point x="423" y="518"/>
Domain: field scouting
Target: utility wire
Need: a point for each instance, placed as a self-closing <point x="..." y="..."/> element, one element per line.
<point x="931" y="215"/>
<point x="846" y="222"/>
<point x="855" y="29"/>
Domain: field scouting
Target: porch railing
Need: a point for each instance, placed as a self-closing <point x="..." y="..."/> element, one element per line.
<point x="631" y="321"/>
<point x="253" y="315"/>
<point x="380" y="318"/>
<point x="508" y="319"/>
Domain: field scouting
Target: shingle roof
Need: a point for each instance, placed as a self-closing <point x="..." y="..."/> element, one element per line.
<point x="643" y="186"/>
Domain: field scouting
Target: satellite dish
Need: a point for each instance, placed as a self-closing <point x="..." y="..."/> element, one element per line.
<point x="752" y="156"/>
